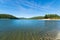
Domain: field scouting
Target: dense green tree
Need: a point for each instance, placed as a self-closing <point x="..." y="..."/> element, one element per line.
<point x="38" y="17"/>
<point x="7" y="16"/>
<point x="52" y="16"/>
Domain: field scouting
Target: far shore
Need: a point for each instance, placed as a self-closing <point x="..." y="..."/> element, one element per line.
<point x="30" y="19"/>
<point x="49" y="19"/>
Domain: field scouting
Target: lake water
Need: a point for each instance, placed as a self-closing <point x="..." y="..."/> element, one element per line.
<point x="29" y="30"/>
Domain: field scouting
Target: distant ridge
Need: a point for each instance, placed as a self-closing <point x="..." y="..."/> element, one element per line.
<point x="47" y="16"/>
<point x="7" y="16"/>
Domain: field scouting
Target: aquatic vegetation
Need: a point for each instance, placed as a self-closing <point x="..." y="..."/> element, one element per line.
<point x="23" y="35"/>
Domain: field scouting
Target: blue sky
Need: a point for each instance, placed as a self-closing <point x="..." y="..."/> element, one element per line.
<point x="29" y="8"/>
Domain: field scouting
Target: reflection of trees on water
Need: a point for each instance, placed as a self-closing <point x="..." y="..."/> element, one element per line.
<point x="51" y="25"/>
<point x="51" y="29"/>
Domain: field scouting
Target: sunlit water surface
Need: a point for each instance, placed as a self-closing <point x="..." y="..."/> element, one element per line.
<point x="29" y="29"/>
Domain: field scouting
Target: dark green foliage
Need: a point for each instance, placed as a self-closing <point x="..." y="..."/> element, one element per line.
<point x="52" y="16"/>
<point x="38" y="17"/>
<point x="7" y="16"/>
<point x="47" y="16"/>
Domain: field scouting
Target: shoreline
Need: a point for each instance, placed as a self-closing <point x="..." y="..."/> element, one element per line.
<point x="29" y="19"/>
<point x="49" y="19"/>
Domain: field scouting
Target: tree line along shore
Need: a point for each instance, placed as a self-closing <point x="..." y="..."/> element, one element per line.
<point x="47" y="16"/>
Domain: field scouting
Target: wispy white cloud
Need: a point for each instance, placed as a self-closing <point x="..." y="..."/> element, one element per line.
<point x="33" y="5"/>
<point x="22" y="6"/>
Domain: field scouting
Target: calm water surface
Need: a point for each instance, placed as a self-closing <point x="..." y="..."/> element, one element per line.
<point x="29" y="29"/>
